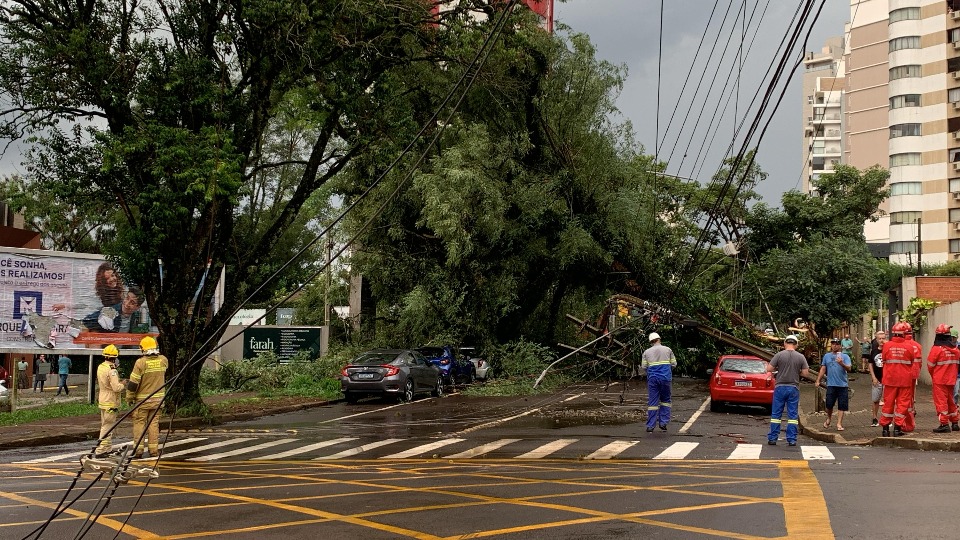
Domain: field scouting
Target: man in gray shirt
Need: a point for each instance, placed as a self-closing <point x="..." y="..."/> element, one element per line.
<point x="789" y="366"/>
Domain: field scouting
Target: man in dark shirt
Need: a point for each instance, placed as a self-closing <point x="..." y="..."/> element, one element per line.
<point x="876" y="373"/>
<point x="789" y="366"/>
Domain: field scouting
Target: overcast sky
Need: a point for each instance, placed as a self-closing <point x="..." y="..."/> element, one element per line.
<point x="628" y="32"/>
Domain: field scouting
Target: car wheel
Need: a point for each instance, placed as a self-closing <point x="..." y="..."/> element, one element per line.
<point x="438" y="391"/>
<point x="716" y="406"/>
<point x="453" y="379"/>
<point x="408" y="392"/>
<point x="351" y="397"/>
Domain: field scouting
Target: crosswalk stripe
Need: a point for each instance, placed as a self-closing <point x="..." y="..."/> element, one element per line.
<point x="243" y="450"/>
<point x="610" y="450"/>
<point x="309" y="448"/>
<point x="360" y="449"/>
<point x="482" y="449"/>
<point x="677" y="450"/>
<point x="206" y="447"/>
<point x="547" y="449"/>
<point x="424" y="448"/>
<point x="746" y="451"/>
<point x="816" y="452"/>
<point x="78" y="454"/>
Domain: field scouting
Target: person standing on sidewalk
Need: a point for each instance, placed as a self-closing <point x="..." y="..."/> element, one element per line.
<point x="876" y="374"/>
<point x="835" y="366"/>
<point x="898" y="380"/>
<point x="40" y="369"/>
<point x="108" y="398"/>
<point x="846" y="346"/>
<point x="789" y="366"/>
<point x="146" y="386"/>
<point x="22" y="383"/>
<point x="658" y="361"/>
<point x="942" y="363"/>
<point x="63" y="369"/>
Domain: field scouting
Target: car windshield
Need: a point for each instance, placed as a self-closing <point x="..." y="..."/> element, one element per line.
<point x="744" y="365"/>
<point x="431" y="352"/>
<point x="374" y="359"/>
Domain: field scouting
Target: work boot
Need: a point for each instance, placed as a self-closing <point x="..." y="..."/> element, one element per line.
<point x="663" y="427"/>
<point x="885" y="432"/>
<point x="772" y="443"/>
<point x="897" y="431"/>
<point x="955" y="426"/>
<point x="944" y="428"/>
<point x="649" y="430"/>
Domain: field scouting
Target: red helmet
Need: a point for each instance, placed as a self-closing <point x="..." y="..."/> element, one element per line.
<point x="900" y="328"/>
<point x="943" y="329"/>
<point x="909" y="326"/>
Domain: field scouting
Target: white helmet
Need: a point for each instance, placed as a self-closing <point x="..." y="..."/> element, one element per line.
<point x="654" y="336"/>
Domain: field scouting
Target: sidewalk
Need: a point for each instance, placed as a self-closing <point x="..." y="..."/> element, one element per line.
<point x="87" y="427"/>
<point x="856" y="421"/>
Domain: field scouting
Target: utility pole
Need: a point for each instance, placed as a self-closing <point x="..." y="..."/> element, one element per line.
<point x="919" y="246"/>
<point x="326" y="292"/>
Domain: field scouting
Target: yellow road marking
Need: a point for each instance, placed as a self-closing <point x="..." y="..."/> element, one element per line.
<point x="106" y="522"/>
<point x="804" y="508"/>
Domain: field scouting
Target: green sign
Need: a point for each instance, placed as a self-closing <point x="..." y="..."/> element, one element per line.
<point x="285" y="341"/>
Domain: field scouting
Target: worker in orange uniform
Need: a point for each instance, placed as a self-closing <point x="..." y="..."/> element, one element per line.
<point x="942" y="363"/>
<point x="146" y="388"/>
<point x="108" y="398"/>
<point x="898" y="381"/>
<point x="910" y="421"/>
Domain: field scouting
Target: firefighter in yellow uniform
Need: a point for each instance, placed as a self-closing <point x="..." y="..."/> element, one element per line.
<point x="109" y="398"/>
<point x="147" y="378"/>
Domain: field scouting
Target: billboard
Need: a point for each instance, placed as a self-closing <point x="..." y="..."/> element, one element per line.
<point x="54" y="299"/>
<point x="283" y="341"/>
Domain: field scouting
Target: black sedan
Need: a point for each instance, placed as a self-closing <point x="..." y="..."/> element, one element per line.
<point x="390" y="372"/>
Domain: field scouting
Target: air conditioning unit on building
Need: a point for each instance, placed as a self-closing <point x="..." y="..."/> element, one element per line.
<point x="956" y="226"/>
<point x="956" y="135"/>
<point x="956" y="44"/>
<point x="955" y="15"/>
<point x="955" y="256"/>
<point x="956" y="195"/>
<point x="956" y="166"/>
<point x="956" y="74"/>
<point x="956" y="105"/>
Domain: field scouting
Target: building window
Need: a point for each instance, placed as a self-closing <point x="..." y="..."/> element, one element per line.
<point x="955" y="215"/>
<point x="953" y="35"/>
<point x="908" y="158"/>
<point x="906" y="188"/>
<point x="953" y="95"/>
<point x="899" y="218"/>
<point x="905" y="14"/>
<point x="955" y="185"/>
<point x="817" y="147"/>
<point x="955" y="246"/>
<point x="904" y="130"/>
<point x="900" y="248"/>
<point x="954" y="155"/>
<point x="906" y="42"/>
<point x="818" y="163"/>
<point x="905" y="72"/>
<point x="906" y="100"/>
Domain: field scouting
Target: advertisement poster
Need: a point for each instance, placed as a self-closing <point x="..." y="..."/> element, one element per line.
<point x="67" y="300"/>
<point x="283" y="341"/>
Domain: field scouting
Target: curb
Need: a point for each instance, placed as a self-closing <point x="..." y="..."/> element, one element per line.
<point x="907" y="442"/>
<point x="193" y="424"/>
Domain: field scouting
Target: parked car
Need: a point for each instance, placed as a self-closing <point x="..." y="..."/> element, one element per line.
<point x="390" y="372"/>
<point x="741" y="379"/>
<point x="453" y="368"/>
<point x="480" y="366"/>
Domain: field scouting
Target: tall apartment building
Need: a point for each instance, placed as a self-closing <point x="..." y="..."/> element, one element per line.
<point x="823" y="108"/>
<point x="903" y="112"/>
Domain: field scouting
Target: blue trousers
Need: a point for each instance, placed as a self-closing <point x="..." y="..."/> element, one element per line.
<point x="658" y="401"/>
<point x="789" y="396"/>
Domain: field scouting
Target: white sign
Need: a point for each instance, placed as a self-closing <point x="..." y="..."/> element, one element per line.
<point x="244" y="317"/>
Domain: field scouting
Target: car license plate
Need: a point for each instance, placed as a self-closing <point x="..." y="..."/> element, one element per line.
<point x="366" y="375"/>
<point x="742" y="383"/>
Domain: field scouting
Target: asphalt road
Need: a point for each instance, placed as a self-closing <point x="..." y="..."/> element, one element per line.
<point x="577" y="464"/>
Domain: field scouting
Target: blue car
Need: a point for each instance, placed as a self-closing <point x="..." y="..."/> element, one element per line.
<point x="454" y="369"/>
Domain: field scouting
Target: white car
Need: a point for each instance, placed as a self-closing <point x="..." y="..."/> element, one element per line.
<point x="480" y="364"/>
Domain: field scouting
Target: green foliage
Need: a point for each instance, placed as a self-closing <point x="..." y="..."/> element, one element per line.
<point x="301" y="376"/>
<point x="519" y="358"/>
<point x="52" y="410"/>
<point x="915" y="312"/>
<point x="824" y="282"/>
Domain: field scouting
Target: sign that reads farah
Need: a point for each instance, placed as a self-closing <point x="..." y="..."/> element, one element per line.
<point x="283" y="341"/>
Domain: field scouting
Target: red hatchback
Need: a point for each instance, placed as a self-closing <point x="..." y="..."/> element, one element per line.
<point x="741" y="379"/>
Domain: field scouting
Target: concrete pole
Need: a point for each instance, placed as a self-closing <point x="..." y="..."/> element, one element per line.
<point x="14" y="386"/>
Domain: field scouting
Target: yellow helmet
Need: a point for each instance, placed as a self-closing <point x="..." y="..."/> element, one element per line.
<point x="148" y="343"/>
<point x="111" y="351"/>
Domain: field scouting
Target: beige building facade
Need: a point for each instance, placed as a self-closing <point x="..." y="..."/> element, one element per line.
<point x="823" y="108"/>
<point x="902" y="111"/>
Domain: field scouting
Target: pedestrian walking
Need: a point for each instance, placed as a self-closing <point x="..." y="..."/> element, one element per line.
<point x="63" y="370"/>
<point x="789" y="366"/>
<point x="146" y="388"/>
<point x="898" y="380"/>
<point x="835" y="366"/>
<point x="846" y="346"/>
<point x="865" y="356"/>
<point x="876" y="374"/>
<point x="22" y="383"/>
<point x="40" y="370"/>
<point x="108" y="398"/>
<point x="658" y="361"/>
<point x="942" y="363"/>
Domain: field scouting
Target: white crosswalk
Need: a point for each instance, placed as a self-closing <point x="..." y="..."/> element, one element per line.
<point x="210" y="449"/>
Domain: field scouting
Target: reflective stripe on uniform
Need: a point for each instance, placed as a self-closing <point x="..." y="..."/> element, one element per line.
<point x="664" y="403"/>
